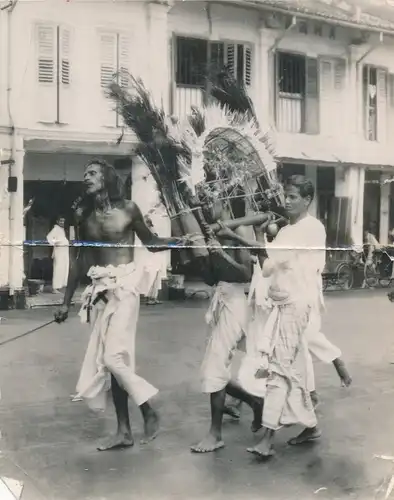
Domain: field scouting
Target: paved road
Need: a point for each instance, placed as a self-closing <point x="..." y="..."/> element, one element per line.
<point x="49" y="442"/>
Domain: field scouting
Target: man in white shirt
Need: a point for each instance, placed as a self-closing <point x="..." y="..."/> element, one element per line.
<point x="294" y="265"/>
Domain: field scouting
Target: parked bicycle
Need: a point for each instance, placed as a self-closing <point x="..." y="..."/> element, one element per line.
<point x="379" y="271"/>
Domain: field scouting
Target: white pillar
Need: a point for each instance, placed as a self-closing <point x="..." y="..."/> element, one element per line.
<point x="16" y="269"/>
<point x="4" y="222"/>
<point x="349" y="183"/>
<point x="263" y="86"/>
<point x="159" y="54"/>
<point x="384" y="210"/>
<point x="311" y="174"/>
<point x="146" y="196"/>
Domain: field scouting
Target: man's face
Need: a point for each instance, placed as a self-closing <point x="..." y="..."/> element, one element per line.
<point x="93" y="179"/>
<point x="60" y="222"/>
<point x="295" y="204"/>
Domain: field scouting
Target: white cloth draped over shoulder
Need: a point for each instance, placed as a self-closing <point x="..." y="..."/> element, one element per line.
<point x="60" y="255"/>
<point x="112" y="301"/>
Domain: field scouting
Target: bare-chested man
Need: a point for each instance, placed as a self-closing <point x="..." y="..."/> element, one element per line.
<point x="111" y="302"/>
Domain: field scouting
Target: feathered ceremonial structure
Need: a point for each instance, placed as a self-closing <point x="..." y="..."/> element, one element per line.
<point x="218" y="154"/>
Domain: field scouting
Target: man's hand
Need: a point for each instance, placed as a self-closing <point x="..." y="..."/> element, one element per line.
<point x="215" y="247"/>
<point x="61" y="314"/>
<point x="224" y="231"/>
<point x="262" y="228"/>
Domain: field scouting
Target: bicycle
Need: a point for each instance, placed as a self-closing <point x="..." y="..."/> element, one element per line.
<point x="380" y="270"/>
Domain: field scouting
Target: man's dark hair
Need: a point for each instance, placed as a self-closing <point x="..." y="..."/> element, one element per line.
<point x="112" y="184"/>
<point x="304" y="185"/>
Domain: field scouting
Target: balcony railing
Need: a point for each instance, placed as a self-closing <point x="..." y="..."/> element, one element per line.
<point x="184" y="98"/>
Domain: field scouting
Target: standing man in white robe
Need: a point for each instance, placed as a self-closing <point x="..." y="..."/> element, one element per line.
<point x="60" y="255"/>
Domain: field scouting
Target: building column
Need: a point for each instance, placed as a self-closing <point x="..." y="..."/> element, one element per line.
<point x="384" y="209"/>
<point x="354" y="94"/>
<point x="16" y="264"/>
<point x="311" y="174"/>
<point x="264" y="81"/>
<point x="159" y="54"/>
<point x="349" y="183"/>
<point x="146" y="196"/>
<point x="4" y="222"/>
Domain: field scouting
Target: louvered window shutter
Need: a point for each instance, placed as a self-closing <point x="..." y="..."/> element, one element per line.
<point x="391" y="106"/>
<point x="64" y="62"/>
<point x="326" y="97"/>
<point x="248" y="66"/>
<point x="311" y="116"/>
<point x="46" y="53"/>
<point x="230" y="59"/>
<point x="382" y="104"/>
<point x="108" y="57"/>
<point x="123" y="60"/>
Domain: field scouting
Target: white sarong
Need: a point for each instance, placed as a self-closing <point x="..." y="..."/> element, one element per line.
<point x="113" y="301"/>
<point x="227" y="317"/>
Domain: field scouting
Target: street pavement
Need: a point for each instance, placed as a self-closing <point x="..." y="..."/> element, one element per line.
<point x="48" y="442"/>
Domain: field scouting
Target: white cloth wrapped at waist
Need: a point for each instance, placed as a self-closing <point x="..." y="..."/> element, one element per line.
<point x="121" y="279"/>
<point x="224" y="295"/>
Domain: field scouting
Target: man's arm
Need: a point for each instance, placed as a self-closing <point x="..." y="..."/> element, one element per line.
<point x="149" y="239"/>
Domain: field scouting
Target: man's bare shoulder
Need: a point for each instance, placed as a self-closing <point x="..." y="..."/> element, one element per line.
<point x="133" y="209"/>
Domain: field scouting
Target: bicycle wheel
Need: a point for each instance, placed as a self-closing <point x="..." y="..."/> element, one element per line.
<point x="385" y="282"/>
<point x="345" y="276"/>
<point x="371" y="276"/>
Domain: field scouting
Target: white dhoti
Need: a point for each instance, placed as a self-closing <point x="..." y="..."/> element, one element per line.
<point x="113" y="301"/>
<point x="227" y="317"/>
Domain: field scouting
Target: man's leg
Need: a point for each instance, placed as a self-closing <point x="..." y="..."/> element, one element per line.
<point x="255" y="403"/>
<point x="151" y="422"/>
<point x="213" y="441"/>
<point x="123" y="437"/>
<point x="343" y="374"/>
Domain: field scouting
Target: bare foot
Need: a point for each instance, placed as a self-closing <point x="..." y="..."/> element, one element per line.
<point x="119" y="441"/>
<point x="263" y="449"/>
<point x="315" y="399"/>
<point x="306" y="436"/>
<point x="151" y="427"/>
<point x="232" y="411"/>
<point x="208" y="444"/>
<point x="344" y="375"/>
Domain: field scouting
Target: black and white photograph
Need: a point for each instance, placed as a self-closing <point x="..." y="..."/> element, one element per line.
<point x="196" y="249"/>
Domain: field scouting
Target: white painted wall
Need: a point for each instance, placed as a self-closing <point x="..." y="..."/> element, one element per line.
<point x="83" y="102"/>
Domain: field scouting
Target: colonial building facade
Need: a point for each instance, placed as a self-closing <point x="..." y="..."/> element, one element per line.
<point x="321" y="77"/>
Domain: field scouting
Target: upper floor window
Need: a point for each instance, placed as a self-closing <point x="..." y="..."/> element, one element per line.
<point x="374" y="103"/>
<point x="53" y="47"/>
<point x="195" y="57"/>
<point x="114" y="58"/>
<point x="297" y="93"/>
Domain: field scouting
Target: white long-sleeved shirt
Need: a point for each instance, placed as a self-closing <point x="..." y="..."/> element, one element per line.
<point x="298" y="255"/>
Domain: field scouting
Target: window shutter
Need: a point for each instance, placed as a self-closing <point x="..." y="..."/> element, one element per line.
<point x="46" y="39"/>
<point x="64" y="62"/>
<point x="382" y="95"/>
<point x="326" y="97"/>
<point x="248" y="66"/>
<point x="312" y="96"/>
<point x="230" y="59"/>
<point x="391" y="90"/>
<point x="339" y="75"/>
<point x="123" y="60"/>
<point x="108" y="58"/>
